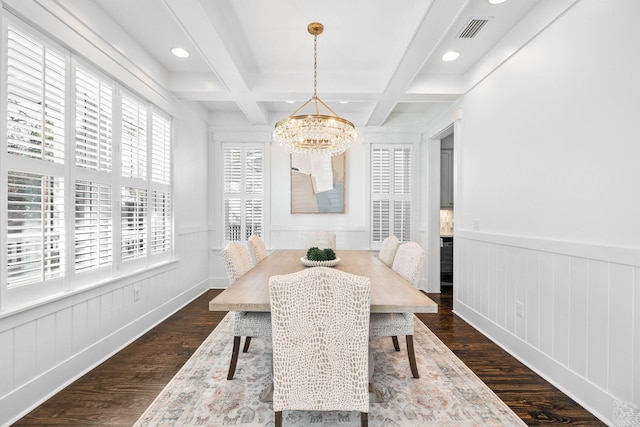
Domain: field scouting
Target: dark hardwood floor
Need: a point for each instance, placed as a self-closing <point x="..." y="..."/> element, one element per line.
<point x="118" y="391"/>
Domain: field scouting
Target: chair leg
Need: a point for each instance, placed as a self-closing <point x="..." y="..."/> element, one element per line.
<point x="364" y="419"/>
<point x="247" y="341"/>
<point x="395" y="343"/>
<point x="412" y="357"/>
<point x="234" y="358"/>
<point x="278" y="421"/>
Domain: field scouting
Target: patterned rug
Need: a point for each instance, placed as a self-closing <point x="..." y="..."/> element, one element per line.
<point x="446" y="394"/>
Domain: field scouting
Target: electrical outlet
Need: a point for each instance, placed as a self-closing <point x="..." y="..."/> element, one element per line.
<point x="519" y="309"/>
<point x="136" y="292"/>
<point x="476" y="224"/>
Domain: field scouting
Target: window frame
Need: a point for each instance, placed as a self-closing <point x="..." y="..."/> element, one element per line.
<point x="71" y="174"/>
<point x="243" y="195"/>
<point x="391" y="196"/>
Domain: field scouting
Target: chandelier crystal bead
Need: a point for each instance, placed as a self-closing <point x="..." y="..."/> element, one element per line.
<point x="316" y="134"/>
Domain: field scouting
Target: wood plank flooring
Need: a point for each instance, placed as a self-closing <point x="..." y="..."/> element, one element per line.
<point x="118" y="391"/>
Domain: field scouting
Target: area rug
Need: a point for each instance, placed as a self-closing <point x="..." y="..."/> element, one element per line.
<point x="446" y="394"/>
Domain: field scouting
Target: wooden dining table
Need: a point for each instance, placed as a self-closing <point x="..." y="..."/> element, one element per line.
<point x="390" y="292"/>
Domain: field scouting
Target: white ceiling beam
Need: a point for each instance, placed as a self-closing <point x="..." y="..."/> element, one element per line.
<point x="438" y="18"/>
<point x="196" y="24"/>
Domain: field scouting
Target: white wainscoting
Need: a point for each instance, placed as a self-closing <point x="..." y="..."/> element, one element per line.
<point x="45" y="348"/>
<point x="579" y="322"/>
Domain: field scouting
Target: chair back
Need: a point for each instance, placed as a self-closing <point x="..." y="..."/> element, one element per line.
<point x="409" y="261"/>
<point x="237" y="260"/>
<point x="257" y="249"/>
<point x="388" y="250"/>
<point x="320" y="239"/>
<point x="320" y="331"/>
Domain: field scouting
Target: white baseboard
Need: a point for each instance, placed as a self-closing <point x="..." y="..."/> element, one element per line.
<point x="585" y="393"/>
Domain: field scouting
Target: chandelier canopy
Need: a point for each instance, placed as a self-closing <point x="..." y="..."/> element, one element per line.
<point x="318" y="134"/>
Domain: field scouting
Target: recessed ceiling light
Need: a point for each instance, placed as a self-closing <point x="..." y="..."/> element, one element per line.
<point x="180" y="52"/>
<point x="343" y="102"/>
<point x="496" y="1"/>
<point x="290" y="102"/>
<point x="450" y="56"/>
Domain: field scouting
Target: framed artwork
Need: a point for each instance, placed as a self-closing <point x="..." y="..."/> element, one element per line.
<point x="317" y="184"/>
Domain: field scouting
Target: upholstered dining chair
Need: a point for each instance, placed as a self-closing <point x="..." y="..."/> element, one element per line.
<point x="320" y="323"/>
<point x="257" y="249"/>
<point x="388" y="250"/>
<point x="408" y="263"/>
<point x="320" y="239"/>
<point x="237" y="262"/>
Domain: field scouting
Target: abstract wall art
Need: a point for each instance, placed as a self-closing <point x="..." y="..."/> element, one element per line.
<point x="317" y="184"/>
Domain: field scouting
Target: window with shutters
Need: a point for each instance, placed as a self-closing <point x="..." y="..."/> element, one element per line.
<point x="93" y="226"/>
<point x="72" y="213"/>
<point x="134" y="138"/>
<point x="391" y="192"/>
<point x="35" y="228"/>
<point x="93" y="125"/>
<point x="161" y="208"/>
<point x="35" y="249"/>
<point x="243" y="192"/>
<point x="133" y="225"/>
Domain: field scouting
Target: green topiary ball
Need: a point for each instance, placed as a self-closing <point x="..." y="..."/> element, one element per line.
<point x="310" y="250"/>
<point x="330" y="254"/>
<point x="315" y="254"/>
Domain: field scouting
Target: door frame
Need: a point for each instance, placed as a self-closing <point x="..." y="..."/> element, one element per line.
<point x="433" y="196"/>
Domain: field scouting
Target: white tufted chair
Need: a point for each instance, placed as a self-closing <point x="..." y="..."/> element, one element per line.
<point x="320" y="322"/>
<point x="320" y="239"/>
<point x="388" y="250"/>
<point x="408" y="263"/>
<point x="257" y="249"/>
<point x="237" y="262"/>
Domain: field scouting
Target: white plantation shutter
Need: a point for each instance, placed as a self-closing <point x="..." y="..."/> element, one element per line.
<point x="380" y="220"/>
<point x="93" y="226"/>
<point x="233" y="220"/>
<point x="133" y="223"/>
<point x="243" y="185"/>
<point x="232" y="170"/>
<point x="36" y="98"/>
<point x="380" y="171"/>
<point x="160" y="222"/>
<point x="391" y="192"/>
<point x="35" y="228"/>
<point x="160" y="149"/>
<point x="402" y="171"/>
<point x="402" y="220"/>
<point x="93" y="125"/>
<point x="253" y="218"/>
<point x="134" y="138"/>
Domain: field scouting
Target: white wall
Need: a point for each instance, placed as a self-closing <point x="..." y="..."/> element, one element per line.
<point x="547" y="206"/>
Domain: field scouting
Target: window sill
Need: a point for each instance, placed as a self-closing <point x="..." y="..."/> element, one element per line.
<point x="83" y="293"/>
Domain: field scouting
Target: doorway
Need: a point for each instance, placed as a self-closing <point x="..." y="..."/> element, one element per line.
<point x="442" y="157"/>
<point x="446" y="211"/>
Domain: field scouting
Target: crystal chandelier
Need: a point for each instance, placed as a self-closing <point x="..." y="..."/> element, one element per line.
<point x="318" y="134"/>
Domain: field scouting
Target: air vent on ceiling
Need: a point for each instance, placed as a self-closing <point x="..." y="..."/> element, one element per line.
<point x="473" y="27"/>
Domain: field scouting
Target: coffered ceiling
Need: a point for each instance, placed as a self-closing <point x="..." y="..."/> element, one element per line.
<point x="382" y="57"/>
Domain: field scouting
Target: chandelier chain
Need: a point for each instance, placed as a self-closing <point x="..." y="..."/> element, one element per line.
<point x="315" y="66"/>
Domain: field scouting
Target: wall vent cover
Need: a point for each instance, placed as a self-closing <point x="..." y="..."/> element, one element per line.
<point x="472" y="28"/>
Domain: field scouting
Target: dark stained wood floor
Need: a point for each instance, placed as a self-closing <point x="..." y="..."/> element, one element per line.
<point x="118" y="391"/>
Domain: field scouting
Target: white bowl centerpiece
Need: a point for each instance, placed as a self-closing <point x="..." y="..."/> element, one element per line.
<point x="317" y="257"/>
